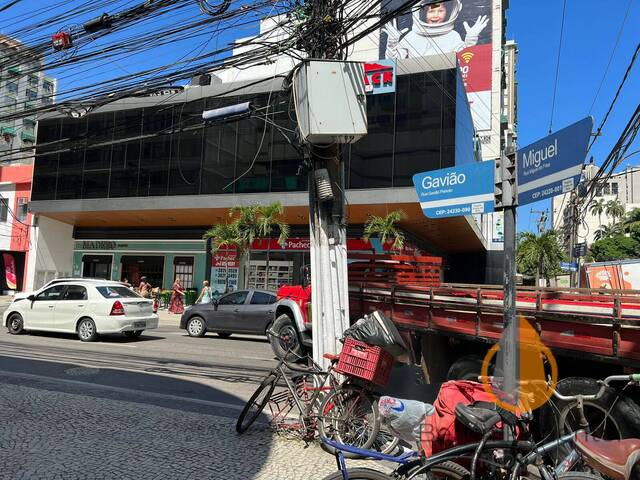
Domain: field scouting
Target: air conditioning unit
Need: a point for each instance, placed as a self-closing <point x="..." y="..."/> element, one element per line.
<point x="330" y="101"/>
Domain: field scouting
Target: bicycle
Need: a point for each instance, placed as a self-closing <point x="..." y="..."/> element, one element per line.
<point x="321" y="402"/>
<point x="503" y="459"/>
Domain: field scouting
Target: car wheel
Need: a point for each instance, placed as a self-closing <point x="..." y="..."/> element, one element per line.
<point x="224" y="334"/>
<point x="133" y="333"/>
<point x="15" y="324"/>
<point x="87" y="330"/>
<point x="285" y="343"/>
<point x="196" y="327"/>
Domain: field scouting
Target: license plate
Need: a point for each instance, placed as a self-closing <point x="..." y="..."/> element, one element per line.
<point x="139" y="324"/>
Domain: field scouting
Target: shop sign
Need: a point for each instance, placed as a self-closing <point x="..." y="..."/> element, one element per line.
<point x="225" y="259"/>
<point x="98" y="245"/>
<point x="304" y="244"/>
<point x="380" y="77"/>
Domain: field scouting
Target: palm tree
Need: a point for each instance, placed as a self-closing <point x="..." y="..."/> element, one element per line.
<point x="614" y="209"/>
<point x="606" y="231"/>
<point x="386" y="229"/>
<point x="225" y="235"/>
<point x="246" y="217"/>
<point x="268" y="218"/>
<point x="598" y="208"/>
<point x="539" y="254"/>
<point x="631" y="223"/>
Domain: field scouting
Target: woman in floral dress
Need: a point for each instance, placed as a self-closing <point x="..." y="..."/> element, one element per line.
<point x="176" y="303"/>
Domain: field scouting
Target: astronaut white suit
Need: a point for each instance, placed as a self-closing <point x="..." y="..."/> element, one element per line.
<point x="432" y="38"/>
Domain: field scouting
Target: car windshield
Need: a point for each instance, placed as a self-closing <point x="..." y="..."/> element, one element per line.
<point x="117" y="292"/>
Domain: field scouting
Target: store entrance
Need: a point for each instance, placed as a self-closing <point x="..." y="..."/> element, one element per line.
<point x="96" y="266"/>
<point x="135" y="266"/>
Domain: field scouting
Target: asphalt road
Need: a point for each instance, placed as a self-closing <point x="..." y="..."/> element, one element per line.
<point x="165" y="361"/>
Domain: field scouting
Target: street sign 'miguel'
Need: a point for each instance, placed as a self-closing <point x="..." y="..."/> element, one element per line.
<point x="553" y="165"/>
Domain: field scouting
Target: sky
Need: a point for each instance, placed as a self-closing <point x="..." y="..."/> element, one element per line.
<point x="590" y="31"/>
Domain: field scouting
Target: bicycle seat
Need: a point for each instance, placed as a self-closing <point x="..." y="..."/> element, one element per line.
<point x="332" y="357"/>
<point x="614" y="458"/>
<point x="479" y="420"/>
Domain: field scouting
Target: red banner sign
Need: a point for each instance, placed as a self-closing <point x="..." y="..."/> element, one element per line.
<point x="225" y="259"/>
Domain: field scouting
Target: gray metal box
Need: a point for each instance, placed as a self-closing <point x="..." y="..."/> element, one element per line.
<point x="330" y="101"/>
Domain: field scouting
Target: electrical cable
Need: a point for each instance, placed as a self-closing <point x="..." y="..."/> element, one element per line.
<point x="555" y="83"/>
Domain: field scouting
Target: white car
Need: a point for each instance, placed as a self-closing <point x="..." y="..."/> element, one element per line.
<point x="88" y="308"/>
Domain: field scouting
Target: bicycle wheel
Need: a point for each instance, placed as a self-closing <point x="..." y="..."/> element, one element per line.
<point x="256" y="404"/>
<point x="359" y="474"/>
<point x="349" y="416"/>
<point x="579" y="476"/>
<point x="386" y="442"/>
<point x="441" y="471"/>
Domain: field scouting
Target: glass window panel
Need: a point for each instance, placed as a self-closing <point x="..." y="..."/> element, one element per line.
<point x="71" y="162"/>
<point x="371" y="161"/>
<point x="95" y="184"/>
<point x="44" y="177"/>
<point x="219" y="152"/>
<point x="253" y="162"/>
<point x="285" y="160"/>
<point x="418" y="126"/>
<point x="153" y="179"/>
<point x="124" y="169"/>
<point x="186" y="150"/>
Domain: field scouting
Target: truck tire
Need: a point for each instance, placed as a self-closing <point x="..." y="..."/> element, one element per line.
<point x="465" y="368"/>
<point x="286" y="342"/>
<point x="558" y="417"/>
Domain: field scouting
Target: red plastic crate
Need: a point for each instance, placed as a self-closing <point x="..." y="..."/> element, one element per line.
<point x="364" y="361"/>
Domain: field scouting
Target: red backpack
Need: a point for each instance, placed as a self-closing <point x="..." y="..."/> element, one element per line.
<point x="440" y="430"/>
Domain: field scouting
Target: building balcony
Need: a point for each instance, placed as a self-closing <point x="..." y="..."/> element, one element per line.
<point x="27" y="137"/>
<point x="8" y="131"/>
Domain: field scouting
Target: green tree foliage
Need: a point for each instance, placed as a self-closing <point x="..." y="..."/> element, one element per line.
<point x="268" y="219"/>
<point x="598" y="208"/>
<point x="386" y="229"/>
<point x="616" y="247"/>
<point x="606" y="231"/>
<point x="615" y="210"/>
<point x="539" y="255"/>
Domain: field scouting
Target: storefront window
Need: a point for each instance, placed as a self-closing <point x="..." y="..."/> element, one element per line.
<point x="134" y="267"/>
<point x="183" y="269"/>
<point x="96" y="266"/>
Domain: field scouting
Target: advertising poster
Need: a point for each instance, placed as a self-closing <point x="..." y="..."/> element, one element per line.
<point x="497" y="235"/>
<point x="10" y="271"/>
<point x="603" y="276"/>
<point x="459" y="26"/>
<point x="630" y="276"/>
<point x="225" y="266"/>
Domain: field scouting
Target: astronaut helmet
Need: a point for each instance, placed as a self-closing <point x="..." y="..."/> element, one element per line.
<point x="437" y="26"/>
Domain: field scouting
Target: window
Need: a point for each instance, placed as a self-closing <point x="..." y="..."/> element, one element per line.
<point x="183" y="269"/>
<point x="75" y="292"/>
<point x="28" y="125"/>
<point x="10" y="104"/>
<point x="33" y="80"/>
<point x="606" y="189"/>
<point x="12" y="86"/>
<point x="53" y="293"/>
<point x="23" y="209"/>
<point x="261" y="298"/>
<point x="4" y="210"/>
<point x="236" y="298"/>
<point x="31" y="95"/>
<point x="117" y="292"/>
<point x="614" y="189"/>
<point x="47" y="87"/>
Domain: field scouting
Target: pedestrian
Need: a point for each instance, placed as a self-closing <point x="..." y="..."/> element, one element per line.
<point x="206" y="296"/>
<point x="126" y="283"/>
<point x="176" y="304"/>
<point x="144" y="289"/>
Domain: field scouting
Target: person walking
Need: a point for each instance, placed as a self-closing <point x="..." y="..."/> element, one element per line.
<point x="206" y="295"/>
<point x="176" y="304"/>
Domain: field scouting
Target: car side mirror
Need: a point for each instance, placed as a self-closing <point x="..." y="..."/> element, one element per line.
<point x="31" y="298"/>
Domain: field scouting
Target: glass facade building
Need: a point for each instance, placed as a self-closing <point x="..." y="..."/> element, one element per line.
<point x="161" y="149"/>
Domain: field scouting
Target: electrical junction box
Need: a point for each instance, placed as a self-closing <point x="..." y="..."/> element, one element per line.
<point x="330" y="101"/>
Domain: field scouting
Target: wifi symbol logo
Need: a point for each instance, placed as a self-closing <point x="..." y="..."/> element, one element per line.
<point x="467" y="56"/>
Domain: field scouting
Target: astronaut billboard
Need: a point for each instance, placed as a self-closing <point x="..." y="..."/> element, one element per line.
<point x="460" y="26"/>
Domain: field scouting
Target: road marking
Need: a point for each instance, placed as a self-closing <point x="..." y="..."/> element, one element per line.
<point x="162" y="396"/>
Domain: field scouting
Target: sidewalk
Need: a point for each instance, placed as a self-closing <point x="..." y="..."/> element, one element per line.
<point x="48" y="434"/>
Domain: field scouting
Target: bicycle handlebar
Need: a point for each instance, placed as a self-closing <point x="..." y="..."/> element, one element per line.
<point x="633" y="378"/>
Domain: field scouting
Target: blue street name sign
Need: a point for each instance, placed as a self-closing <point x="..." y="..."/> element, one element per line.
<point x="572" y="267"/>
<point x="456" y="191"/>
<point x="553" y="165"/>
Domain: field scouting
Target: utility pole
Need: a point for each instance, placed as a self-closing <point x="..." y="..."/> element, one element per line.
<point x="327" y="219"/>
<point x="506" y="199"/>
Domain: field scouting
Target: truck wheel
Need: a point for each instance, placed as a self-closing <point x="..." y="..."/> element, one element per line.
<point x="609" y="417"/>
<point x="465" y="368"/>
<point x="286" y="339"/>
